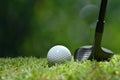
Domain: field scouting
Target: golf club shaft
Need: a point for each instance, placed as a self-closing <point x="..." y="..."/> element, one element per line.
<point x="100" y="25"/>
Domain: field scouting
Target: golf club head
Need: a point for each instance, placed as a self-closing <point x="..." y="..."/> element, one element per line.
<point x="89" y="53"/>
<point x="83" y="53"/>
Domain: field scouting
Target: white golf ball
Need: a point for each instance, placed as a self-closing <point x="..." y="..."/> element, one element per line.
<point x="58" y="54"/>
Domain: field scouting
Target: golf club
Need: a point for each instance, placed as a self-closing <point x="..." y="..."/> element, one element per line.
<point x="95" y="52"/>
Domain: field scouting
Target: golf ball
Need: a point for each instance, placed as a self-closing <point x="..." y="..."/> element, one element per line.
<point x="58" y="54"/>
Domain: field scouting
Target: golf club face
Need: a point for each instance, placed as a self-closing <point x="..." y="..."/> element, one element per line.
<point x="83" y="53"/>
<point x="90" y="53"/>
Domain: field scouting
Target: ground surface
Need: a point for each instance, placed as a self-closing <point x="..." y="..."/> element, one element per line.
<point x="37" y="69"/>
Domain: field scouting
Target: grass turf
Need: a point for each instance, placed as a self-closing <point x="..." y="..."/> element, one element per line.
<point x="37" y="69"/>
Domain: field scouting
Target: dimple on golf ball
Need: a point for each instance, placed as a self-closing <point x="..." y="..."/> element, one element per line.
<point x="58" y="54"/>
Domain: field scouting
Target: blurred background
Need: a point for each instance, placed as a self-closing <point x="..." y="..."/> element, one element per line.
<point x="32" y="27"/>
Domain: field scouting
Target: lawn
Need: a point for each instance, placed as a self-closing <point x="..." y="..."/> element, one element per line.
<point x="32" y="68"/>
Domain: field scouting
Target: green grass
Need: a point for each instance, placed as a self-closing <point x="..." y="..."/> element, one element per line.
<point x="37" y="69"/>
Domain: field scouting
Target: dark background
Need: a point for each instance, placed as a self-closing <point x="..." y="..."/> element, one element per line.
<point x="32" y="27"/>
